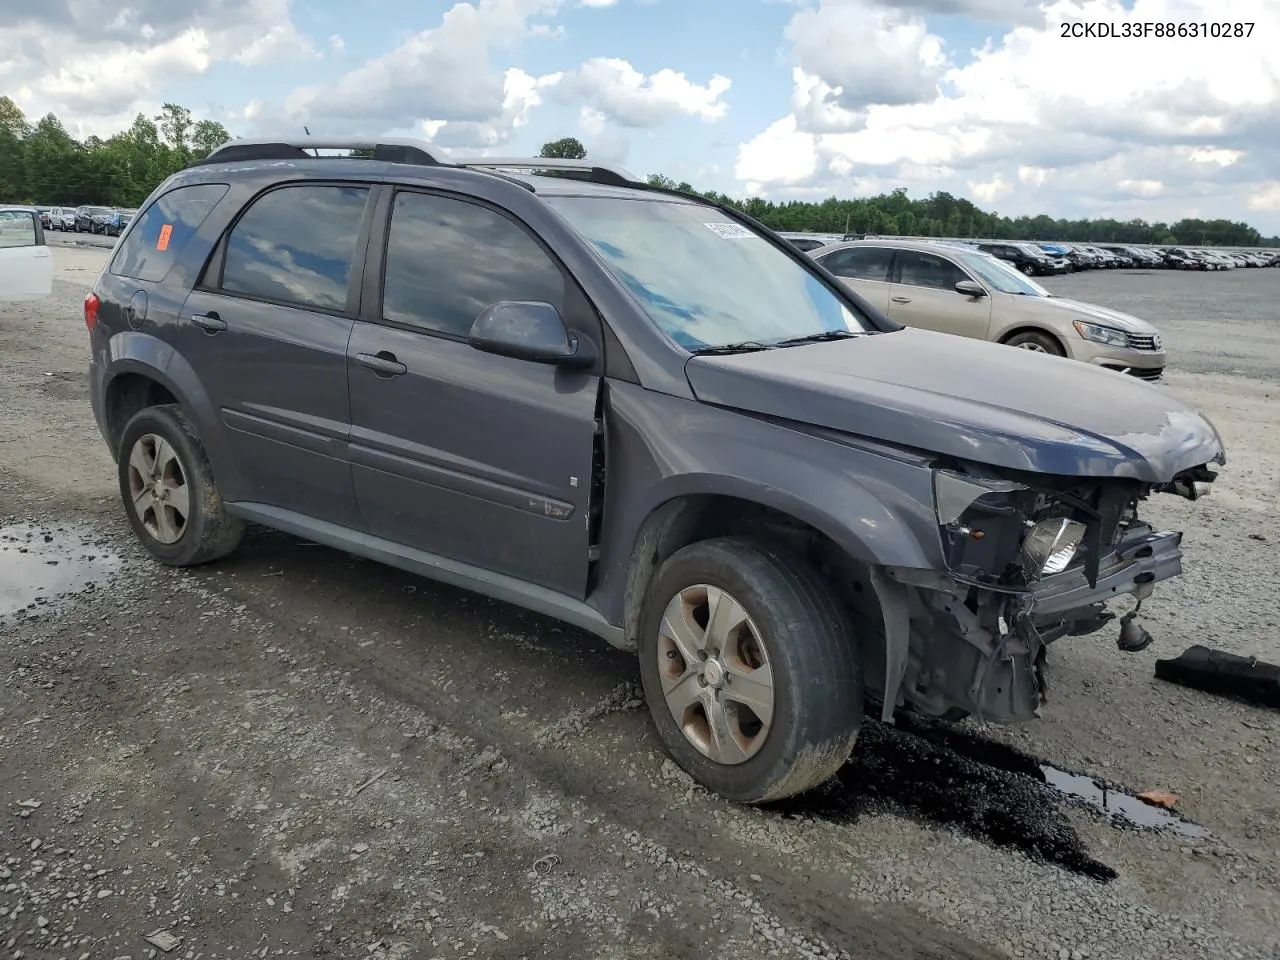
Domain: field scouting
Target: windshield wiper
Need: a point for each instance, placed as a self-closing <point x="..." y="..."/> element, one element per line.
<point x="820" y="337"/>
<point x="746" y="346"/>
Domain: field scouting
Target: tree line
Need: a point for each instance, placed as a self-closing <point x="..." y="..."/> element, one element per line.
<point x="42" y="163"/>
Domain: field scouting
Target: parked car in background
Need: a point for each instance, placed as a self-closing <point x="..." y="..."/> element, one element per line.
<point x="1025" y="257"/>
<point x="89" y="218"/>
<point x="808" y="241"/>
<point x="26" y="267"/>
<point x="46" y="219"/>
<point x="974" y="294"/>
<point x="114" y="223"/>
<point x="1061" y="253"/>
<point x="62" y="218"/>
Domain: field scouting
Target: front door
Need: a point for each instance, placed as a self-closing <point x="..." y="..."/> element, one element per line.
<point x="924" y="295"/>
<point x="268" y="341"/>
<point x="471" y="456"/>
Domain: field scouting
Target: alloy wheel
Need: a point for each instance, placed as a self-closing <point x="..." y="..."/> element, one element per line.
<point x="158" y="487"/>
<point x="715" y="673"/>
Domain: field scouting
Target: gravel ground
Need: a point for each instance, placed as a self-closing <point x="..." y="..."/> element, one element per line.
<point x="296" y="752"/>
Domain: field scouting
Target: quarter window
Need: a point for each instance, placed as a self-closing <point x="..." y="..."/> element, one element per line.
<point x="162" y="231"/>
<point x="448" y="259"/>
<point x="860" y="263"/>
<point x="297" y="245"/>
<point x="926" y="270"/>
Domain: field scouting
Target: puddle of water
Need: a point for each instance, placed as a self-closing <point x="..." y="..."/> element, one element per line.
<point x="982" y="788"/>
<point x="41" y="562"/>
<point x="1119" y="806"/>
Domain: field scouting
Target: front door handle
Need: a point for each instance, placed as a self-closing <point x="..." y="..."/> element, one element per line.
<point x="900" y="299"/>
<point x="384" y="364"/>
<point x="209" y="322"/>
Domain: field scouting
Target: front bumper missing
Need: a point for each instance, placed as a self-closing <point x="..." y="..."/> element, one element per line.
<point x="1137" y="564"/>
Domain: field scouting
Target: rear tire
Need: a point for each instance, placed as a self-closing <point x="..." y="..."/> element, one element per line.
<point x="789" y="634"/>
<point x="1037" y="342"/>
<point x="169" y="493"/>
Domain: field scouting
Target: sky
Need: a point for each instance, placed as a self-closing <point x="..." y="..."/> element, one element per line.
<point x="787" y="99"/>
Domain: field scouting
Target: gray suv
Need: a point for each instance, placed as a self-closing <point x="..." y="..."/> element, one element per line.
<point x="639" y="412"/>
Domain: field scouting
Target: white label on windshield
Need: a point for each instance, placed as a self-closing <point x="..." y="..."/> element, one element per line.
<point x="730" y="231"/>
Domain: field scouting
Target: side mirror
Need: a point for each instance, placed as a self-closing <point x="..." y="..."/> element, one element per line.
<point x="529" y="330"/>
<point x="970" y="288"/>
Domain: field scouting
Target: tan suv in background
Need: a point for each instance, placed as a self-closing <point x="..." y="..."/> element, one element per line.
<point x="956" y="289"/>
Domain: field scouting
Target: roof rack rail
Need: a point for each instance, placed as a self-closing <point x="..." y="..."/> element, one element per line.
<point x="601" y="173"/>
<point x="390" y="149"/>
<point x="411" y="151"/>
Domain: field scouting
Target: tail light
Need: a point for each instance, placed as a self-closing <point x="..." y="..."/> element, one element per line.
<point x="91" y="303"/>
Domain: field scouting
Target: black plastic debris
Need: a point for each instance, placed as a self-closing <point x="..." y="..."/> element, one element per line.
<point x="1214" y="671"/>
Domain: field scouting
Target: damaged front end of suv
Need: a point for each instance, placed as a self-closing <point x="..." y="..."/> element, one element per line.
<point x="1029" y="559"/>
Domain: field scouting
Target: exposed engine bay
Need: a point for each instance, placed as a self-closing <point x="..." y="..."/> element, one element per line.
<point x="1030" y="560"/>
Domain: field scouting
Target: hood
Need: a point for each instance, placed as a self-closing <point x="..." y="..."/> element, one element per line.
<point x="1079" y="310"/>
<point x="969" y="399"/>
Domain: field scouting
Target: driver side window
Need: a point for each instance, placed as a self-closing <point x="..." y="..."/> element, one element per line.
<point x="926" y="270"/>
<point x="448" y="259"/>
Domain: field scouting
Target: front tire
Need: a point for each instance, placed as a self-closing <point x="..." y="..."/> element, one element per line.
<point x="749" y="669"/>
<point x="169" y="493"/>
<point x="1036" y="342"/>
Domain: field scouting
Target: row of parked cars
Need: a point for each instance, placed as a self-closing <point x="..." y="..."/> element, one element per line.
<point x="109" y="221"/>
<point x="1047" y="259"/>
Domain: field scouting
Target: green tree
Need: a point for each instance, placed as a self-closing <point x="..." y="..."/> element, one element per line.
<point x="566" y="148"/>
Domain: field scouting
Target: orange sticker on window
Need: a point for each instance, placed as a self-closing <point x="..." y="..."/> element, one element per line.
<point x="165" y="233"/>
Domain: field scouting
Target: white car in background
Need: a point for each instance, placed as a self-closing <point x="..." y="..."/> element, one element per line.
<point x="26" y="265"/>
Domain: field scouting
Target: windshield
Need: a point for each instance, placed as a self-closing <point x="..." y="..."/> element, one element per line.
<point x="96" y="210"/>
<point x="1030" y="250"/>
<point x="995" y="274"/>
<point x="704" y="279"/>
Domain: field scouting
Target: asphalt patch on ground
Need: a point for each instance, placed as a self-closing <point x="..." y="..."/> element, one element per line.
<point x="40" y="563"/>
<point x="990" y="791"/>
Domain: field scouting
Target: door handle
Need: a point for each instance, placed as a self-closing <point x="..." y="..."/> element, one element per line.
<point x="900" y="299"/>
<point x="384" y="364"/>
<point x="209" y="322"/>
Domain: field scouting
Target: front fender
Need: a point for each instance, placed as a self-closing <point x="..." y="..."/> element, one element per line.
<point x="874" y="505"/>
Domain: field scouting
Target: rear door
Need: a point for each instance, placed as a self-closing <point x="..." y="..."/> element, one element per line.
<point x="479" y="458"/>
<point x="864" y="270"/>
<point x="26" y="266"/>
<point x="267" y="335"/>
<point x="924" y="295"/>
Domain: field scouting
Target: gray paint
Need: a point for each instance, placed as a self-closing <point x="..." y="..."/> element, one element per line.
<point x="477" y="469"/>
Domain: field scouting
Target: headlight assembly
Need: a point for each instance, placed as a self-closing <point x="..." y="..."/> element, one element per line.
<point x="1051" y="545"/>
<point x="1100" y="334"/>
<point x="981" y="521"/>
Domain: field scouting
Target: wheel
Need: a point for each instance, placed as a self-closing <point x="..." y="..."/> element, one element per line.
<point x="1036" y="342"/>
<point x="169" y="493"/>
<point x="749" y="669"/>
<point x="1028" y="269"/>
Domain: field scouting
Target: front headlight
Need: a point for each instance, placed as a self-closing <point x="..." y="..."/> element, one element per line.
<point x="1100" y="334"/>
<point x="1050" y="546"/>
<point x="980" y="521"/>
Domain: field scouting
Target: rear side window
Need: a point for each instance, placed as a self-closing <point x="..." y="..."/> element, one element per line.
<point x="162" y="231"/>
<point x="449" y="259"/>
<point x="18" y="229"/>
<point x="296" y="245"/>
<point x="860" y="263"/>
<point x="925" y="270"/>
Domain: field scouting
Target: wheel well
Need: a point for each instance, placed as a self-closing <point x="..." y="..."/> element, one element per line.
<point x="1040" y="330"/>
<point x="686" y="520"/>
<point x="126" y="395"/>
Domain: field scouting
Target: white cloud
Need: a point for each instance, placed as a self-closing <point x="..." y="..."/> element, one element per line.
<point x="337" y="44"/>
<point x="1266" y="197"/>
<point x="620" y="92"/>
<point x="1152" y="127"/>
